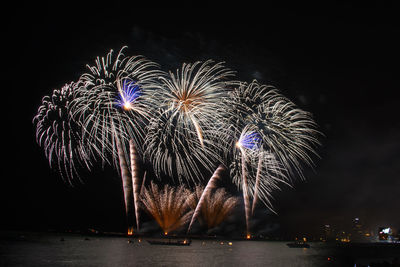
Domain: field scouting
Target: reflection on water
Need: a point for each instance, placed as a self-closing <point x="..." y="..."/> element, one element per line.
<point x="76" y="250"/>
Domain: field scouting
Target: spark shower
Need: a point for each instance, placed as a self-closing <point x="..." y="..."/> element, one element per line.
<point x="192" y="125"/>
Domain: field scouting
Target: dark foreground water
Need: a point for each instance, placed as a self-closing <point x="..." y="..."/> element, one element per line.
<point x="52" y="249"/>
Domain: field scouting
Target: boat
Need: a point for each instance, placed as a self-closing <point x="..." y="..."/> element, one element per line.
<point x="184" y="242"/>
<point x="298" y="244"/>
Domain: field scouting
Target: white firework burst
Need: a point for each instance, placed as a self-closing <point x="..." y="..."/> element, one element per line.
<point x="60" y="135"/>
<point x="182" y="138"/>
<point x="289" y="133"/>
<point x="274" y="139"/>
<point x="113" y="101"/>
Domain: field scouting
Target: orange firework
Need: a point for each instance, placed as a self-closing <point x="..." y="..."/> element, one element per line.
<point x="217" y="206"/>
<point x="168" y="206"/>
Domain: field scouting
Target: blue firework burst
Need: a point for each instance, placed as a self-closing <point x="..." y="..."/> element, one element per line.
<point x="250" y="140"/>
<point x="129" y="92"/>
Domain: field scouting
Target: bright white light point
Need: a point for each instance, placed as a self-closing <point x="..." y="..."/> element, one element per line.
<point x="127" y="106"/>
<point x="238" y="144"/>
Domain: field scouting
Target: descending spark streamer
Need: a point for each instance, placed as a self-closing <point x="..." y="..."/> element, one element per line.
<point x="60" y="135"/>
<point x="212" y="184"/>
<point x="113" y="103"/>
<point x="183" y="138"/>
<point x="168" y="206"/>
<point x="245" y="190"/>
<point x="250" y="141"/>
<point x="257" y="184"/>
<point x="135" y="180"/>
<point x="143" y="181"/>
<point x="217" y="206"/>
<point x="126" y="184"/>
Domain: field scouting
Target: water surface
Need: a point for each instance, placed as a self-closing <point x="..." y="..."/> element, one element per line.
<point x="76" y="250"/>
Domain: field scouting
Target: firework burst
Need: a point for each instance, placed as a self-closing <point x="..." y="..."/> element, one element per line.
<point x="283" y="129"/>
<point x="113" y="100"/>
<point x="184" y="124"/>
<point x="183" y="136"/>
<point x="60" y="135"/>
<point x="274" y="139"/>
<point x="168" y="206"/>
<point x="113" y="103"/>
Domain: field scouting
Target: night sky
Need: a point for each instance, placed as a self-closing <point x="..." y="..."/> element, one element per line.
<point x="338" y="61"/>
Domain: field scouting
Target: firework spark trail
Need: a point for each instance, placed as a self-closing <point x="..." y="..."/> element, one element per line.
<point x="135" y="179"/>
<point x="212" y="184"/>
<point x="246" y="198"/>
<point x="143" y="182"/>
<point x="199" y="132"/>
<point x="257" y="184"/>
<point x="126" y="183"/>
<point x="183" y="138"/>
<point x="168" y="206"/>
<point x="248" y="140"/>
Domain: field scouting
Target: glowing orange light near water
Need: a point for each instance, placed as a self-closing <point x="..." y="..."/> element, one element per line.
<point x="248" y="236"/>
<point x="130" y="230"/>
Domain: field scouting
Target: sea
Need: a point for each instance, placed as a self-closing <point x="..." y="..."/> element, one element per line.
<point x="59" y="249"/>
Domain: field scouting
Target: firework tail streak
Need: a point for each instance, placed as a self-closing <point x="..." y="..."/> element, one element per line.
<point x="212" y="183"/>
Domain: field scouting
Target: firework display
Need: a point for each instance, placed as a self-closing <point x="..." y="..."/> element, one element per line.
<point x="126" y="111"/>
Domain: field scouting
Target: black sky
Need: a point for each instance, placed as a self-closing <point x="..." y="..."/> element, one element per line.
<point x="338" y="61"/>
